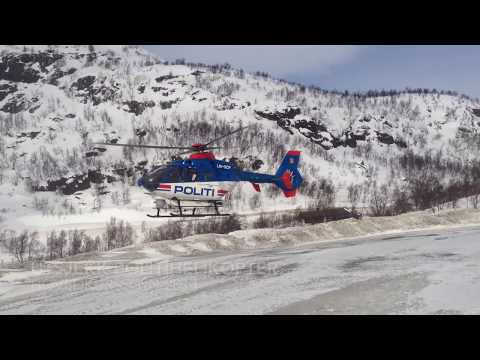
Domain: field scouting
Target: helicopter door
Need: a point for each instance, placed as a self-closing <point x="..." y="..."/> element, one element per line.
<point x="190" y="175"/>
<point x="209" y="176"/>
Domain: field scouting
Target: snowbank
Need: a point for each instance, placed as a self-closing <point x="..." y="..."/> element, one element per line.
<point x="350" y="228"/>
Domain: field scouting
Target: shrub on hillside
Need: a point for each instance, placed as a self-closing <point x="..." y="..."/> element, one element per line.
<point x="176" y="230"/>
<point x="118" y="234"/>
<point x="24" y="246"/>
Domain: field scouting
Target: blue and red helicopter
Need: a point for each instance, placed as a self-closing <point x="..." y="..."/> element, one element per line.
<point x="203" y="182"/>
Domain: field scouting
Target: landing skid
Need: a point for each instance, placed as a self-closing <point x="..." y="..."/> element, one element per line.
<point x="186" y="216"/>
<point x="181" y="214"/>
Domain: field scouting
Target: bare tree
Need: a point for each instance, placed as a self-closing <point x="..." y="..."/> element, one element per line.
<point x="115" y="198"/>
<point x="89" y="244"/>
<point x="35" y="248"/>
<point x="401" y="202"/>
<point x="426" y="191"/>
<point x="124" y="234"/>
<point x="110" y="234"/>
<point x="17" y="245"/>
<point x="76" y="241"/>
<point x="126" y="194"/>
<point x="325" y="195"/>
<point x="354" y="194"/>
<point x="61" y="243"/>
<point x="118" y="234"/>
<point x="51" y="245"/>
<point x="475" y="199"/>
<point x="255" y="201"/>
<point x="23" y="246"/>
<point x="379" y="200"/>
<point x="97" y="196"/>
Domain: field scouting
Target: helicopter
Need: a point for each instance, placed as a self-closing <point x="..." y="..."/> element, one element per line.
<point x="203" y="182"/>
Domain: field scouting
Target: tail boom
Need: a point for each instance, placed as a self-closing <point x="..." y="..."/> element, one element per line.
<point x="287" y="177"/>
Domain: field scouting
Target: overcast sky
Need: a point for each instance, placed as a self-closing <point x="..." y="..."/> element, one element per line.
<point x="345" y="67"/>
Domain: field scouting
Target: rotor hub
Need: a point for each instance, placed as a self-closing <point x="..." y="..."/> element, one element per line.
<point x="202" y="155"/>
<point x="199" y="147"/>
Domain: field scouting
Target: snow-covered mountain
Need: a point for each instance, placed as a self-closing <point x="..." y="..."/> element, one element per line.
<point x="56" y="101"/>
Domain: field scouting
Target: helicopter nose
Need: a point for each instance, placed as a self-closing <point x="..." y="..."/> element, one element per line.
<point x="140" y="182"/>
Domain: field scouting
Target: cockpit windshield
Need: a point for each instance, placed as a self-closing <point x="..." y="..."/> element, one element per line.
<point x="156" y="170"/>
<point x="171" y="174"/>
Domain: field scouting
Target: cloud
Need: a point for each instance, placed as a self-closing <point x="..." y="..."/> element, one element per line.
<point x="278" y="60"/>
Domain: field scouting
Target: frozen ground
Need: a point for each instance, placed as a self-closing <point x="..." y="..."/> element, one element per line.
<point x="424" y="272"/>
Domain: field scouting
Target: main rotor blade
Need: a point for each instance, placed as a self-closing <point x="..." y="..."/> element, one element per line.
<point x="146" y="146"/>
<point x="224" y="136"/>
<point x="183" y="153"/>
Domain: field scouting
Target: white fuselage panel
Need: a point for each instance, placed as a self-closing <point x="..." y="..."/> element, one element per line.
<point x="194" y="191"/>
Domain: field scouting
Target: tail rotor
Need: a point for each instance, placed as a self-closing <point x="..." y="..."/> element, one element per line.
<point x="288" y="177"/>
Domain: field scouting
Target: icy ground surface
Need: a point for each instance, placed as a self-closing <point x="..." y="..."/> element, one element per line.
<point x="423" y="272"/>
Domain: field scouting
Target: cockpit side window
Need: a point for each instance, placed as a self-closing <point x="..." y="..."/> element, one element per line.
<point x="193" y="174"/>
<point x="174" y="174"/>
<point x="189" y="175"/>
